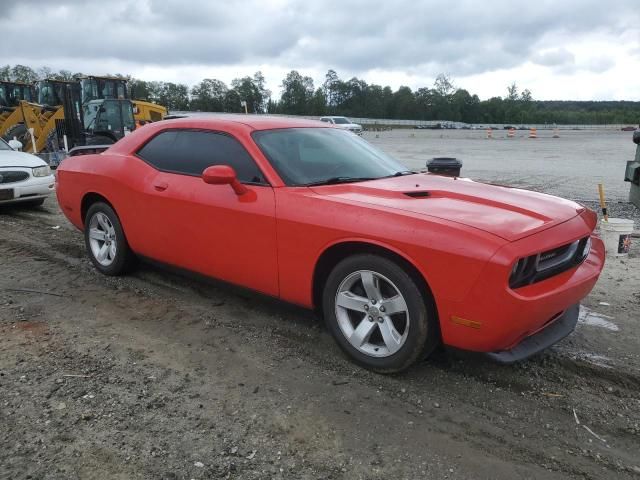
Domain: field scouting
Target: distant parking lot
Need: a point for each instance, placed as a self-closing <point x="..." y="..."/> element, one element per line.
<point x="570" y="166"/>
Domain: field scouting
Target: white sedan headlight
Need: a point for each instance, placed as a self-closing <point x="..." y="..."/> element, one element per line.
<point x="42" y="171"/>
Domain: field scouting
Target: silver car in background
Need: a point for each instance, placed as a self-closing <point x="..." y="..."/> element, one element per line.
<point x="344" y="123"/>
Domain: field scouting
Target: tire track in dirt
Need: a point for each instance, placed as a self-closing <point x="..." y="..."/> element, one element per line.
<point x="482" y="409"/>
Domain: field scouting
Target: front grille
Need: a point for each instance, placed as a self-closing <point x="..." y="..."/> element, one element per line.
<point x="535" y="268"/>
<point x="13" y="176"/>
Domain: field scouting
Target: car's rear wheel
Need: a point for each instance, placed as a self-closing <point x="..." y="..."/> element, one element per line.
<point x="105" y="240"/>
<point x="378" y="313"/>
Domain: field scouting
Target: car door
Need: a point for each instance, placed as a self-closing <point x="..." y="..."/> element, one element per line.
<point x="209" y="228"/>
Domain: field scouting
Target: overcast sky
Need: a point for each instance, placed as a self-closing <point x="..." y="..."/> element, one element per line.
<point x="562" y="49"/>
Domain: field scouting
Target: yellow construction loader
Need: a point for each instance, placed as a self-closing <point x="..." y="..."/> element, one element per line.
<point x="87" y="110"/>
<point x="98" y="88"/>
<point x="11" y="93"/>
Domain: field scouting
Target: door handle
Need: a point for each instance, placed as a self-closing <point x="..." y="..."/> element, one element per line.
<point x="161" y="186"/>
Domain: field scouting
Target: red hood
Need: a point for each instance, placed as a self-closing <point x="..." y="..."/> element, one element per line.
<point x="509" y="213"/>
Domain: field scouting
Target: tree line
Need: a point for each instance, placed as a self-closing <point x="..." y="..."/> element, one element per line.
<point x="443" y="101"/>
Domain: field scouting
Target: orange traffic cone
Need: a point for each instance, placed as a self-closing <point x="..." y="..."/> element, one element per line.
<point x="489" y="133"/>
<point x="533" y="133"/>
<point x="511" y="133"/>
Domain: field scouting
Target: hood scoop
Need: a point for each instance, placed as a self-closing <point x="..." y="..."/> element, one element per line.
<point x="418" y="194"/>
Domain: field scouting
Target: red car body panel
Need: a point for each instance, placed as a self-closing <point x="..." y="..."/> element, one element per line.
<point x="462" y="237"/>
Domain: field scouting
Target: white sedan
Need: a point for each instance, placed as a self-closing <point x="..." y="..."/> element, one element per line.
<point x="24" y="178"/>
<point x="344" y="123"/>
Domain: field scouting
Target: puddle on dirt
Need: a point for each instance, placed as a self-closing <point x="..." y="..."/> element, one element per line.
<point x="589" y="317"/>
<point x="599" y="360"/>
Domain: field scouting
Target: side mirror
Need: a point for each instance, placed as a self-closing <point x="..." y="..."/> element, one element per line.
<point x="223" y="175"/>
<point x="15" y="144"/>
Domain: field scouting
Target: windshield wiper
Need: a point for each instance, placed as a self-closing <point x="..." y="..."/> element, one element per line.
<point x="336" y="180"/>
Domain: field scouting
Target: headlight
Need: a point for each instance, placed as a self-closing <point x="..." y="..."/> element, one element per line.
<point x="42" y="171"/>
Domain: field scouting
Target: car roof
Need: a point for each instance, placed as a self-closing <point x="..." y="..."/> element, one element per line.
<point x="254" y="122"/>
<point x="232" y="123"/>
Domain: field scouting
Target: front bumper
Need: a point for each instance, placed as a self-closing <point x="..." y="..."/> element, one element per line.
<point x="552" y="333"/>
<point x="32" y="189"/>
<point x="491" y="317"/>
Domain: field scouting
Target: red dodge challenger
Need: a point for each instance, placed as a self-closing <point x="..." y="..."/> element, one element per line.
<point x="396" y="262"/>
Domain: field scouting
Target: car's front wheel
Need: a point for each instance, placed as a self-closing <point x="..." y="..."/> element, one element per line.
<point x="105" y="240"/>
<point x="378" y="313"/>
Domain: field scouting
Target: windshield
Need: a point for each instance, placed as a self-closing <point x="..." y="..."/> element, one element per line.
<point x="340" y="120"/>
<point x="304" y="156"/>
<point x="24" y="92"/>
<point x="4" y="145"/>
<point x="47" y="94"/>
<point x="114" y="116"/>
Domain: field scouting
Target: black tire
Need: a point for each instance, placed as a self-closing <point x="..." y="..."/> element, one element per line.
<point x="423" y="335"/>
<point x="34" y="203"/>
<point x="20" y="132"/>
<point x="124" y="259"/>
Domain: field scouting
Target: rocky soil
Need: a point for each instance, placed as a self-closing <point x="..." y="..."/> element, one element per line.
<point x="158" y="376"/>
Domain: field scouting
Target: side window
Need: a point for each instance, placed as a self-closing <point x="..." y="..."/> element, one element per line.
<point x="324" y="119"/>
<point x="189" y="152"/>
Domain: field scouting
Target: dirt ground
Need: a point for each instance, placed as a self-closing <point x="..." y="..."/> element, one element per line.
<point x="159" y="376"/>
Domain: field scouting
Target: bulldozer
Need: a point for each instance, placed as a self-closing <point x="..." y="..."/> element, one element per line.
<point x="95" y="88"/>
<point x="87" y="110"/>
<point x="11" y="93"/>
<point x="42" y="110"/>
<point x="60" y="112"/>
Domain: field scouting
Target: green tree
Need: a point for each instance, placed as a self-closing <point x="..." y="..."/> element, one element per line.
<point x="318" y="103"/>
<point x="208" y="95"/>
<point x="297" y="93"/>
<point x="404" y="104"/>
<point x="22" y="73"/>
<point x="330" y="87"/>
<point x="232" y="101"/>
<point x="5" y="73"/>
<point x="66" y="75"/>
<point x="444" y="85"/>
<point x="140" y="90"/>
<point x="253" y="91"/>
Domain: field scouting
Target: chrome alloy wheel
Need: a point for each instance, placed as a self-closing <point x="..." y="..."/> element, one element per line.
<point x="372" y="313"/>
<point x="102" y="239"/>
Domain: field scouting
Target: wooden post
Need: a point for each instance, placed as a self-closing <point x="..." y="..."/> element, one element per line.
<point x="603" y="203"/>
